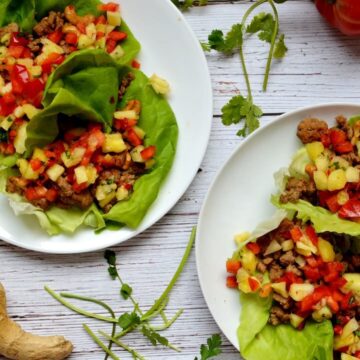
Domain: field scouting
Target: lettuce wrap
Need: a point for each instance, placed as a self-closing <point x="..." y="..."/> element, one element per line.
<point x="85" y="86"/>
<point x="259" y="340"/>
<point x="322" y="219"/>
<point x="27" y="12"/>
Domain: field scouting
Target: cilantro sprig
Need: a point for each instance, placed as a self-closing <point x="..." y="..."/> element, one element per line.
<point x="186" y="4"/>
<point x="266" y="25"/>
<point x="212" y="348"/>
<point x="127" y="322"/>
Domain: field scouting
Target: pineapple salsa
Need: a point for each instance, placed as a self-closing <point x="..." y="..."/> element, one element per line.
<point x="27" y="60"/>
<point x="308" y="277"/>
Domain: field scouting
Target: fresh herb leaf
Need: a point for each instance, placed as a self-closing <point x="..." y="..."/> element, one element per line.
<point x="205" y="46"/>
<point x="128" y="320"/>
<point x="211" y="349"/>
<point x="216" y="40"/>
<point x="264" y="25"/>
<point x="280" y="48"/>
<point x="238" y="109"/>
<point x="126" y="291"/>
<point x="234" y="38"/>
<point x="154" y="337"/>
<point x="112" y="272"/>
<point x="3" y="135"/>
<point x="110" y="257"/>
<point x="186" y="4"/>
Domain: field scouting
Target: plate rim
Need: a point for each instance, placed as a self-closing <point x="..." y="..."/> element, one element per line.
<point x="219" y="173"/>
<point x="208" y="93"/>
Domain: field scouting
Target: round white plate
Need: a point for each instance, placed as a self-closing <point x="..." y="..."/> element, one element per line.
<point x="171" y="50"/>
<point x="239" y="198"/>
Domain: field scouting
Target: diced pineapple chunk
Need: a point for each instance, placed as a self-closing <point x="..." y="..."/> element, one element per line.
<point x="150" y="163"/>
<point x="81" y="175"/>
<point x="242" y="278"/>
<point x="136" y="154"/>
<point x="139" y="132"/>
<point x="336" y="180"/>
<point x="20" y="139"/>
<point x="326" y="250"/>
<point x="353" y="283"/>
<point x="73" y="158"/>
<point x="36" y="71"/>
<point x="91" y="31"/>
<point x="248" y="260"/>
<point x="342" y="341"/>
<point x="7" y="122"/>
<point x="5" y="39"/>
<point x="50" y="47"/>
<point x="321" y="180"/>
<point x="322" y="162"/>
<point x="126" y="114"/>
<point x="117" y="53"/>
<point x="55" y="171"/>
<point x="101" y="28"/>
<point x="6" y="89"/>
<point x="109" y="29"/>
<point x="28" y="63"/>
<point x="352" y="174"/>
<point x="113" y="18"/>
<point x="40" y="154"/>
<point x="114" y="143"/>
<point x="26" y="170"/>
<point x="296" y="320"/>
<point x="240" y="238"/>
<point x="314" y="149"/>
<point x="2" y="81"/>
<point x="274" y="246"/>
<point x="30" y="110"/>
<point x="342" y="197"/>
<point x="305" y="247"/>
<point x="350" y="327"/>
<point x="122" y="193"/>
<point x="3" y="51"/>
<point x="160" y="86"/>
<point x="19" y="112"/>
<point x="108" y="198"/>
<point x="280" y="288"/>
<point x="91" y="173"/>
<point x="299" y="291"/>
<point x="287" y="245"/>
<point x="100" y="43"/>
<point x="102" y="191"/>
<point x="345" y="356"/>
<point x="339" y="163"/>
<point x="322" y="314"/>
<point x="85" y="41"/>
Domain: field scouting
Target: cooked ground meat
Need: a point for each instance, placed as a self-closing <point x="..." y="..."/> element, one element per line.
<point x="298" y="189"/>
<point x="10" y="28"/>
<point x="352" y="158"/>
<point x="294" y="269"/>
<point x="261" y="267"/>
<point x="41" y="203"/>
<point x="275" y="272"/>
<point x="125" y="82"/>
<point x="285" y="303"/>
<point x="65" y="187"/>
<point x="50" y="23"/>
<point x="355" y="261"/>
<point x="16" y="184"/>
<point x="288" y="258"/>
<point x="35" y="45"/>
<point x="310" y="130"/>
<point x="268" y="260"/>
<point x="68" y="49"/>
<point x="278" y="316"/>
<point x="82" y="200"/>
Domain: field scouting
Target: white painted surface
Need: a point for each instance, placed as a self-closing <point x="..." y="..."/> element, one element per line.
<point x="321" y="66"/>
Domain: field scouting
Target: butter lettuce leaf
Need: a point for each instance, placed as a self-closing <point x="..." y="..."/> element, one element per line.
<point x="159" y="123"/>
<point x="259" y="340"/>
<point x="21" y="12"/>
<point x="323" y="220"/>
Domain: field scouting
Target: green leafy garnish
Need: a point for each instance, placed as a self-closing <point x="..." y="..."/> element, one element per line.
<point x="211" y="349"/>
<point x="266" y="26"/>
<point x="136" y="320"/>
<point x="186" y="4"/>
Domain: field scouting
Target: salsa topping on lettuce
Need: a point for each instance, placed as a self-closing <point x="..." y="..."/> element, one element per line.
<point x="28" y="58"/>
<point x="305" y="276"/>
<point x="331" y="168"/>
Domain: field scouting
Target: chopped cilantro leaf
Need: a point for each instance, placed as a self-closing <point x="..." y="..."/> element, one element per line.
<point x="126" y="291"/>
<point x="211" y="349"/>
<point x="264" y="25"/>
<point x="154" y="337"/>
<point x="128" y="320"/>
<point x="110" y="257"/>
<point x="280" y="48"/>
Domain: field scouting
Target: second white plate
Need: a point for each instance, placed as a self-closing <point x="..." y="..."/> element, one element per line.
<point x="239" y="199"/>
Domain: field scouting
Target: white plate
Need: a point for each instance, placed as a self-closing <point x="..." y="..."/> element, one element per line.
<point x="238" y="200"/>
<point x="170" y="49"/>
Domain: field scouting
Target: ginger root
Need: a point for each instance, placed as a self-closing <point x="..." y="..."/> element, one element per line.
<point x="17" y="344"/>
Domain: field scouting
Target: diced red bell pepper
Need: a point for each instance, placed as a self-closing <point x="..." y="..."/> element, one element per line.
<point x="311" y="233"/>
<point x="232" y="266"/>
<point x="51" y="195"/>
<point x="110" y="45"/>
<point x="338" y="329"/>
<point x="36" y="164"/>
<point x="254" y="247"/>
<point x="148" y="153"/>
<point x="332" y="203"/>
<point x="325" y="139"/>
<point x="296" y="233"/>
<point x="350" y="210"/>
<point x="9" y="98"/>
<point x="357" y="354"/>
<point x="108" y="7"/>
<point x="27" y="53"/>
<point x="79" y="187"/>
<point x="231" y="282"/>
<point x="312" y="273"/>
<point x="337" y="295"/>
<point x="100" y="20"/>
<point x="55" y="36"/>
<point x="309" y="301"/>
<point x="332" y="304"/>
<point x="128" y="186"/>
<point x="15" y="39"/>
<point x="117" y="35"/>
<point x="33" y="89"/>
<point x="338" y="283"/>
<point x="124" y="124"/>
<point x="71" y="38"/>
<point x="133" y="138"/>
<point x="253" y="283"/>
<point x="135" y="64"/>
<point x="81" y="27"/>
<point x="52" y="59"/>
<point x="345" y="302"/>
<point x="343" y="148"/>
<point x="35" y="193"/>
<point x="333" y="271"/>
<point x="291" y="278"/>
<point x="337" y="136"/>
<point x="16" y="51"/>
<point x="6" y="109"/>
<point x="19" y="79"/>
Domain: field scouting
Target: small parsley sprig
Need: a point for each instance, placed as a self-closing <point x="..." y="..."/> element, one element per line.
<point x="212" y="348"/>
<point x="136" y="320"/>
<point x="266" y="26"/>
<point x="186" y="4"/>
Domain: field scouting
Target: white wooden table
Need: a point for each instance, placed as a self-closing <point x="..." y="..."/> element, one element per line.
<point x="321" y="66"/>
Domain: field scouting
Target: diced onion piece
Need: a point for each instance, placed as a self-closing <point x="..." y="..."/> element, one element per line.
<point x="326" y="250"/>
<point x="280" y="288"/>
<point x="55" y="171"/>
<point x="296" y="320"/>
<point x="160" y="85"/>
<point x="299" y="291"/>
<point x="314" y="149"/>
<point x="113" y="18"/>
<point x="126" y="114"/>
<point x="274" y="246"/>
<point x="113" y="143"/>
